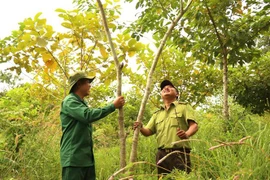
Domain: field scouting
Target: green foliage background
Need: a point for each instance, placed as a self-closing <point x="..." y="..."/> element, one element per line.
<point x="30" y="128"/>
<point x="30" y="136"/>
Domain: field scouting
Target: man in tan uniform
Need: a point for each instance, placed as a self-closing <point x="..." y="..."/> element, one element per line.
<point x="174" y="121"/>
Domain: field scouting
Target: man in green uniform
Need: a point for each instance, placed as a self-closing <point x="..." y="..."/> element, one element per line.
<point x="76" y="152"/>
<point x="174" y="122"/>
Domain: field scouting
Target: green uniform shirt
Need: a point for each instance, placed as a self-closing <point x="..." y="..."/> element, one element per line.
<point x="164" y="124"/>
<point x="76" y="142"/>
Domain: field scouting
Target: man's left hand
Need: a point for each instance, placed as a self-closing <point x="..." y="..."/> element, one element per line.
<point x="182" y="134"/>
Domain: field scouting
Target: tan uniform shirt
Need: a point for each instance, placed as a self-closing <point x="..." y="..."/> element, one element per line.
<point x="164" y="124"/>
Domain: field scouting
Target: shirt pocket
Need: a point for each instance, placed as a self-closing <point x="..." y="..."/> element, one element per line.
<point x="178" y="120"/>
<point x="175" y="119"/>
<point x="159" y="125"/>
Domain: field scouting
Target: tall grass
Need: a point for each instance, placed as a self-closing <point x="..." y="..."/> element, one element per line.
<point x="38" y="154"/>
<point x="38" y="157"/>
<point x="232" y="160"/>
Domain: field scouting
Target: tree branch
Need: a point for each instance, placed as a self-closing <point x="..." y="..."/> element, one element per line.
<point x="130" y="166"/>
<point x="215" y="28"/>
<point x="91" y="52"/>
<point x="241" y="141"/>
<point x="57" y="61"/>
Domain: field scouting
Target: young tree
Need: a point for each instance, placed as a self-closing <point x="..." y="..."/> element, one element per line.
<point x="173" y="23"/>
<point x="221" y="33"/>
<point x="118" y="68"/>
<point x="232" y="28"/>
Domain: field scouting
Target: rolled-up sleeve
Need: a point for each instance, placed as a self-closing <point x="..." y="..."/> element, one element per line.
<point x="152" y="124"/>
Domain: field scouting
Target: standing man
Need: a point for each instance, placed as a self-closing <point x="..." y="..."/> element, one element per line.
<point x="76" y="151"/>
<point x="174" y="121"/>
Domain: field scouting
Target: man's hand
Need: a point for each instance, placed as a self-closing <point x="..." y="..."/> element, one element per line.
<point x="119" y="102"/>
<point x="182" y="134"/>
<point x="144" y="131"/>
<point x="137" y="124"/>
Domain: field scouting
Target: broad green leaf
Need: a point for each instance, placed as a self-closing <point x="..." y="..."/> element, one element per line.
<point x="66" y="25"/>
<point x="16" y="60"/>
<point x="41" y="23"/>
<point x="54" y="46"/>
<point x="111" y="25"/>
<point x="131" y="53"/>
<point x="103" y="51"/>
<point x="60" y="10"/>
<point x="126" y="37"/>
<point x="139" y="46"/>
<point x="41" y="42"/>
<point x="131" y="42"/>
<point x="26" y="37"/>
<point x="37" y="16"/>
<point x="46" y="57"/>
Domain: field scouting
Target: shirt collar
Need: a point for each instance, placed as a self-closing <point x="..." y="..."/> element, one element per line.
<point x="173" y="103"/>
<point x="79" y="98"/>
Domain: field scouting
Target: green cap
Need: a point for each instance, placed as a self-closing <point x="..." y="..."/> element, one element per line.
<point x="74" y="78"/>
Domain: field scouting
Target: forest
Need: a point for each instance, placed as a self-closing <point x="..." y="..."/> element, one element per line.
<point x="215" y="52"/>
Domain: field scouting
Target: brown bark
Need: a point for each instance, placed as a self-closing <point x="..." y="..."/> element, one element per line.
<point x="118" y="67"/>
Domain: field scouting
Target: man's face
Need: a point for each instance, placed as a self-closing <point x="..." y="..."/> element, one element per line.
<point x="84" y="87"/>
<point x="169" y="92"/>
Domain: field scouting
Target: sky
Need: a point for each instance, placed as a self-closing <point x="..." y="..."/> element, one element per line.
<point x="14" y="11"/>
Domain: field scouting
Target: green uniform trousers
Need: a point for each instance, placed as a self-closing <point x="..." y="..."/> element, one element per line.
<point x="79" y="173"/>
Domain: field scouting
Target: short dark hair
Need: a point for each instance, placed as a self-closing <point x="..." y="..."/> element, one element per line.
<point x="76" y="85"/>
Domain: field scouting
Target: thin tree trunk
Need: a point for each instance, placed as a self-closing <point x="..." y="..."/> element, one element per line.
<point x="118" y="67"/>
<point x="133" y="154"/>
<point x="225" y="88"/>
<point x="225" y="66"/>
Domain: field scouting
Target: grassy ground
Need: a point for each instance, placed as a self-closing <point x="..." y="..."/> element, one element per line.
<point x="38" y="156"/>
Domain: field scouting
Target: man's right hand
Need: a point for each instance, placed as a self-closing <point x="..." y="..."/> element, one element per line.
<point x="137" y="124"/>
<point x="119" y="102"/>
<point x="144" y="131"/>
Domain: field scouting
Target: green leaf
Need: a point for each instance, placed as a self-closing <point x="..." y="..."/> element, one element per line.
<point x="41" y="42"/>
<point x="103" y="51"/>
<point x="66" y="25"/>
<point x="37" y="16"/>
<point x="131" y="42"/>
<point x="41" y="22"/>
<point x="60" y="10"/>
<point x="131" y="53"/>
<point x="26" y="37"/>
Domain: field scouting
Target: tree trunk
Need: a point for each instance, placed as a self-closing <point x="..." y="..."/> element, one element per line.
<point x="225" y="88"/>
<point x="118" y="67"/>
<point x="133" y="154"/>
<point x="225" y="65"/>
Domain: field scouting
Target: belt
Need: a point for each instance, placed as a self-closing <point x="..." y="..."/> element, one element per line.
<point x="168" y="150"/>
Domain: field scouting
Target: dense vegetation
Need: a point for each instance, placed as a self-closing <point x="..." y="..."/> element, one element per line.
<point x="30" y="135"/>
<point x="234" y="147"/>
